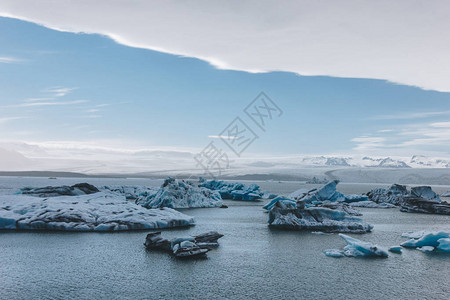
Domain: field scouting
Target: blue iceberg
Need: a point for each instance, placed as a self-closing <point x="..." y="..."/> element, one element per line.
<point x="357" y="248"/>
<point x="428" y="239"/>
<point x="234" y="190"/>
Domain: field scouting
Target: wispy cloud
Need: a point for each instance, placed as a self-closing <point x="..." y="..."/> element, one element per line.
<point x="7" y="119"/>
<point x="222" y="137"/>
<point x="411" y="115"/>
<point x="59" y="91"/>
<point x="53" y="103"/>
<point x="9" y="60"/>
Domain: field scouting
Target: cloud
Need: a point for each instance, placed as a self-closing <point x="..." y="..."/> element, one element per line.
<point x="412" y="138"/>
<point x="411" y="115"/>
<point x="7" y="119"/>
<point x="391" y="40"/>
<point x="9" y="60"/>
<point x="59" y="91"/>
<point x="53" y="103"/>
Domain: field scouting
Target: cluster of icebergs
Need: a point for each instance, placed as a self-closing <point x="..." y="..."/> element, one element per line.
<point x="424" y="241"/>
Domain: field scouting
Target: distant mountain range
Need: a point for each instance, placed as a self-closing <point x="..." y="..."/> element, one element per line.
<point x="416" y="161"/>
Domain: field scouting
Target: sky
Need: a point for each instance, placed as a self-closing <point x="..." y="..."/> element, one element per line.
<point x="145" y="78"/>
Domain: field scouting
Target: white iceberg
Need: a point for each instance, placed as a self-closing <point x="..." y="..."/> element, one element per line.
<point x="131" y="192"/>
<point x="334" y="253"/>
<point x="94" y="212"/>
<point x="444" y="244"/>
<point x="357" y="248"/>
<point x="423" y="239"/>
<point x="176" y="193"/>
<point x="446" y="194"/>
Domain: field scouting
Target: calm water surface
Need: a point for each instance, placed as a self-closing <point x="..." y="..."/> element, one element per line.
<point x="252" y="261"/>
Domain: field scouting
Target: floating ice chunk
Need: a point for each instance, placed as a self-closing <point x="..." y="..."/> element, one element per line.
<point x="131" y="192"/>
<point x="396" y="249"/>
<point x="284" y="215"/>
<point x="414" y="234"/>
<point x="444" y="244"/>
<point x="446" y="194"/>
<point x="356" y="248"/>
<point x="301" y="193"/>
<point x="55" y="191"/>
<point x="333" y="253"/>
<point x="285" y="200"/>
<point x="181" y="194"/>
<point x="234" y="190"/>
<point x="426" y="248"/>
<point x="355" y="198"/>
<point x="393" y="195"/>
<point x="425" y="193"/>
<point x="327" y="193"/>
<point x="94" y="212"/>
<point x="427" y="239"/>
<point x="371" y="204"/>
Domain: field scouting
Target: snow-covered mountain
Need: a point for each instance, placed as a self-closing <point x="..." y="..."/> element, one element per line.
<point x="416" y="161"/>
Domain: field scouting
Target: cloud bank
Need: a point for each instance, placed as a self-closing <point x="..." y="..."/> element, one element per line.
<point x="405" y="42"/>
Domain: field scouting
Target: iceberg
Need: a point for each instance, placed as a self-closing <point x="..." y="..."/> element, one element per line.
<point x="371" y="204"/>
<point x="396" y="249"/>
<point x="131" y="192"/>
<point x="426" y="249"/>
<point x="301" y="193"/>
<point x="446" y="194"/>
<point x="94" y="212"/>
<point x="357" y="248"/>
<point x="334" y="253"/>
<point x="285" y="216"/>
<point x="355" y="198"/>
<point x="234" y="190"/>
<point x="175" y="193"/>
<point x="327" y="193"/>
<point x="393" y="195"/>
<point x="421" y="199"/>
<point x="55" y="191"/>
<point x="184" y="247"/>
<point x="427" y="239"/>
<point x="286" y="201"/>
<point x="444" y="244"/>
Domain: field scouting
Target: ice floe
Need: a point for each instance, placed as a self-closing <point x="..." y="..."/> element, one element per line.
<point x="55" y="191"/>
<point x="94" y="212"/>
<point x="421" y="199"/>
<point x="175" y="193"/>
<point x="235" y="190"/>
<point x="285" y="215"/>
<point x="421" y="239"/>
<point x="357" y="248"/>
<point x="396" y="249"/>
<point x="184" y="247"/>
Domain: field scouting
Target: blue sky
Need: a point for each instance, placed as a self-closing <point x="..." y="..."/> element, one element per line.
<point x="86" y="89"/>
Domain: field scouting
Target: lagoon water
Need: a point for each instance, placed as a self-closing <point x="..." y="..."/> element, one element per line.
<point x="252" y="261"/>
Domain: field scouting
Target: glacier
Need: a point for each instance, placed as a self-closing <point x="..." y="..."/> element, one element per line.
<point x="438" y="239"/>
<point x="357" y="248"/>
<point x="176" y="193"/>
<point x="94" y="212"/>
<point x="285" y="215"/>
